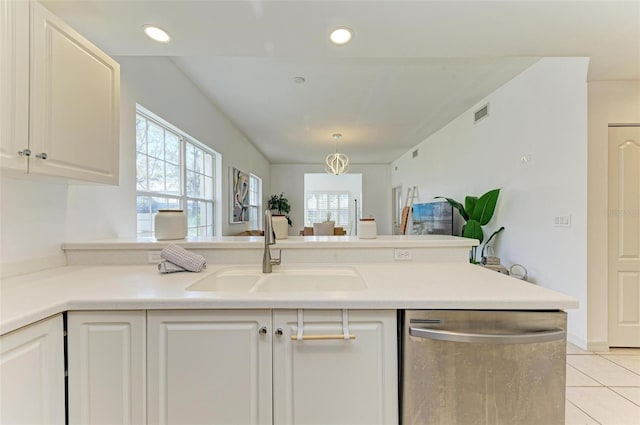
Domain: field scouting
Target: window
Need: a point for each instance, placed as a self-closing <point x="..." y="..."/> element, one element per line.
<point x="336" y="195"/>
<point x="320" y="204"/>
<point x="255" y="201"/>
<point x="173" y="172"/>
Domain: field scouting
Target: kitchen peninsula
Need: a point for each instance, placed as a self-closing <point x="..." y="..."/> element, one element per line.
<point x="169" y="342"/>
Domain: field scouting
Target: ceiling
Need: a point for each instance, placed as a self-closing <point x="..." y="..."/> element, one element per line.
<point x="412" y="66"/>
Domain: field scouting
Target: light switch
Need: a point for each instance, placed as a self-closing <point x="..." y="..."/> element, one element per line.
<point x="562" y="221"/>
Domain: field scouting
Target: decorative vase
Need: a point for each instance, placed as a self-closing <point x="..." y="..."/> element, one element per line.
<point x="170" y="224"/>
<point x="368" y="229"/>
<point x="280" y="226"/>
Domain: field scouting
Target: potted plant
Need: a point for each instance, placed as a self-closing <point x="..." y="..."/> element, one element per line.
<point x="280" y="208"/>
<point x="476" y="213"/>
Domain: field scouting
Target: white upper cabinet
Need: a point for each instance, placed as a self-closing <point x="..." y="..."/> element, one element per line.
<point x="14" y="83"/>
<point x="73" y="98"/>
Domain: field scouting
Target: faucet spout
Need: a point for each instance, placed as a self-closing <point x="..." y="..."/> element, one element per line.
<point x="269" y="239"/>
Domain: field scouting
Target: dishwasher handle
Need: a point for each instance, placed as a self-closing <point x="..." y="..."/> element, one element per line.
<point x="526" y="337"/>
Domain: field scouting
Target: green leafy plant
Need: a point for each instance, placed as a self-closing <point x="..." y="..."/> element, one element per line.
<point x="280" y="204"/>
<point x="494" y="234"/>
<point x="476" y="213"/>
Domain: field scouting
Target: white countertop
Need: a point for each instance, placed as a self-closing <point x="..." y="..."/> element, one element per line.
<point x="32" y="297"/>
<point x="297" y="242"/>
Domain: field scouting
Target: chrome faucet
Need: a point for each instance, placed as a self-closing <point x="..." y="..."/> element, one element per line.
<point x="269" y="239"/>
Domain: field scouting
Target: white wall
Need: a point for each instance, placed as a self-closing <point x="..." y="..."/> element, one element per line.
<point x="38" y="215"/>
<point x="32" y="214"/>
<point x="104" y="212"/>
<point x="610" y="102"/>
<point x="158" y="85"/>
<point x="351" y="182"/>
<point x="542" y="113"/>
<point x="376" y="191"/>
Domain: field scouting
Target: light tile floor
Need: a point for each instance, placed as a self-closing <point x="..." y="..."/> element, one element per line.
<point x="603" y="388"/>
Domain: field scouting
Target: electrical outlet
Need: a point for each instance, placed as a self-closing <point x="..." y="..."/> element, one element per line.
<point x="562" y="221"/>
<point x="402" y="254"/>
<point x="154" y="257"/>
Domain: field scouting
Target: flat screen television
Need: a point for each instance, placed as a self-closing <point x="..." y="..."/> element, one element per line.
<point x="433" y="218"/>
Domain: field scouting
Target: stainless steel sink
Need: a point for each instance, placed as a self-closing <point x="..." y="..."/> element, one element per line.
<point x="285" y="279"/>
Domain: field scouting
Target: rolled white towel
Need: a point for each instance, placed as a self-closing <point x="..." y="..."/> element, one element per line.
<point x="168" y="267"/>
<point x="183" y="258"/>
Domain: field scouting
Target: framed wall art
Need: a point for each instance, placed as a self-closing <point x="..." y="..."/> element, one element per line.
<point x="239" y="194"/>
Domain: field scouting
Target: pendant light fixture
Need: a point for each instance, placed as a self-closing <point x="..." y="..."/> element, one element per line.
<point x="336" y="163"/>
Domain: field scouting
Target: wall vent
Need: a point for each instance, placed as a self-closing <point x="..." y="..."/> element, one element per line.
<point x="481" y="113"/>
<point x="414" y="154"/>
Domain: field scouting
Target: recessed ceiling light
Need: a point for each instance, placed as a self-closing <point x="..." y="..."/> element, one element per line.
<point x="157" y="34"/>
<point x="341" y="36"/>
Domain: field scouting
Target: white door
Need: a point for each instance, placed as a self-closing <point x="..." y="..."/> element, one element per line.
<point x="74" y="103"/>
<point x="624" y="236"/>
<point x="396" y="199"/>
<point x="209" y="366"/>
<point x="14" y="83"/>
<point x="107" y="367"/>
<point x="32" y="374"/>
<point x="336" y="381"/>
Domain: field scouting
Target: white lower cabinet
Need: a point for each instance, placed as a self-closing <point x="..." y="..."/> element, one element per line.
<point x="235" y="366"/>
<point x="335" y="381"/>
<point x="32" y="374"/>
<point x="107" y="367"/>
<point x="209" y="367"/>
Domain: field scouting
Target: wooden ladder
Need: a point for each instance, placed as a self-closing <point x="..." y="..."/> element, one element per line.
<point x="412" y="195"/>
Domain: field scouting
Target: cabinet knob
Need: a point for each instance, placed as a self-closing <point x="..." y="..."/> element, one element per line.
<point x="279" y="332"/>
<point x="42" y="155"/>
<point x="263" y="330"/>
<point x="25" y="152"/>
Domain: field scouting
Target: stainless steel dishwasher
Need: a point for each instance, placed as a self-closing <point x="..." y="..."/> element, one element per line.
<point x="461" y="367"/>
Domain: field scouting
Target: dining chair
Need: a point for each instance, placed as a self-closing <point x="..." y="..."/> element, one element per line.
<point x="323" y="229"/>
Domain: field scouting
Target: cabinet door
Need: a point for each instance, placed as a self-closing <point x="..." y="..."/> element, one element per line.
<point x="209" y="367"/>
<point x="107" y="367"/>
<point x="74" y="103"/>
<point x="336" y="381"/>
<point x="32" y="374"/>
<point x="14" y="83"/>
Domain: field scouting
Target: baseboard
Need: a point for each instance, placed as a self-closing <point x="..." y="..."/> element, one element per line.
<point x="596" y="346"/>
<point x="32" y="265"/>
<point x="577" y="341"/>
